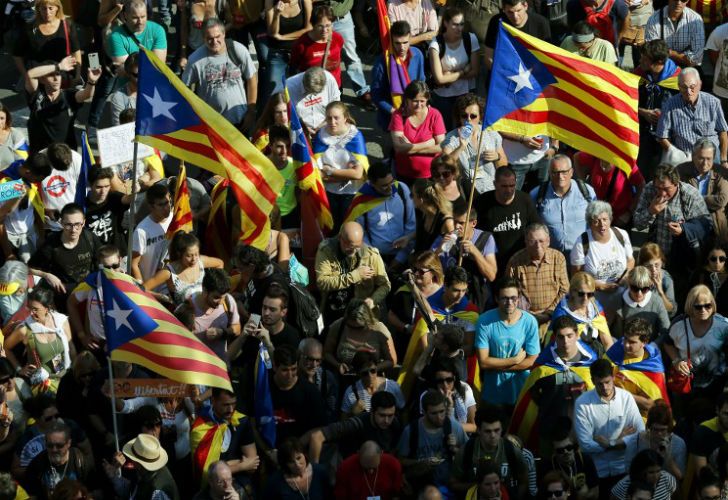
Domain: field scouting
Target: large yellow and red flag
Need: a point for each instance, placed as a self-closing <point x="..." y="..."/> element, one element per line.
<point x="182" y="215"/>
<point x="171" y="118"/>
<point x="539" y="89"/>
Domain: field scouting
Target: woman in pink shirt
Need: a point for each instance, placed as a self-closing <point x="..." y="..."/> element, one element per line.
<point x="417" y="132"/>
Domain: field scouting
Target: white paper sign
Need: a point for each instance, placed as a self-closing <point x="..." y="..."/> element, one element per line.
<point x="116" y="145"/>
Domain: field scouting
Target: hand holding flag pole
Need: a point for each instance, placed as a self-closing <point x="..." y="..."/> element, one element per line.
<point x="472" y="189"/>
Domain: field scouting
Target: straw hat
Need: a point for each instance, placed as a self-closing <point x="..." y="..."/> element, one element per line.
<point x="146" y="451"/>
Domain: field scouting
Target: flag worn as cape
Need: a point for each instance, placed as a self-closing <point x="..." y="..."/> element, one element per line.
<point x="539" y="89"/>
<point x="172" y="118"/>
<point x="206" y="436"/>
<point x="598" y="322"/>
<point x="667" y="77"/>
<point x="356" y="146"/>
<point x="644" y="378"/>
<point x="367" y="198"/>
<point x="525" y="422"/>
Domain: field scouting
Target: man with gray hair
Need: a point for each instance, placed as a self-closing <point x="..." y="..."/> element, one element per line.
<point x="702" y="175"/>
<point x="220" y="484"/>
<point x="541" y="272"/>
<point x="225" y="76"/>
<point x="310" y="367"/>
<point x="311" y="91"/>
<point x="561" y="202"/>
<point x="689" y="117"/>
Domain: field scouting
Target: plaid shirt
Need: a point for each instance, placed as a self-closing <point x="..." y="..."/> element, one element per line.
<point x="687" y="204"/>
<point x="684" y="125"/>
<point x="543" y="284"/>
<point x="687" y="37"/>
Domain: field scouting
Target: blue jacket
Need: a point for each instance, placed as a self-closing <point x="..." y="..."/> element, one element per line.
<point x="380" y="84"/>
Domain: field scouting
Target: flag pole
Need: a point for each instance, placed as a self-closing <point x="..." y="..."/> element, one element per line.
<point x="472" y="191"/>
<point x="130" y="243"/>
<point x="100" y="293"/>
<point x="326" y="50"/>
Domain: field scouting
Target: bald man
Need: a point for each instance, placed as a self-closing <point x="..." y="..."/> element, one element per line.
<point x="369" y="473"/>
<point x="346" y="268"/>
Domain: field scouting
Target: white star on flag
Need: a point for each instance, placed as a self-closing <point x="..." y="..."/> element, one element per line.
<point x="121" y="316"/>
<point x="522" y="79"/>
<point x="160" y="107"/>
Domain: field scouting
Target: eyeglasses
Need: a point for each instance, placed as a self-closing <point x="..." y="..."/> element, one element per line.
<point x="446" y="380"/>
<point x="508" y="299"/>
<point x="444" y="174"/>
<point x="643" y="289"/>
<point x="565" y="449"/>
<point x="370" y="371"/>
<point x="419" y="270"/>
<point x="554" y="493"/>
<point x="560" y="172"/>
<point x="72" y="225"/>
<point x="310" y="359"/>
<point x="472" y="116"/>
<point x="48" y="418"/>
<point x="703" y="307"/>
<point x="585" y="295"/>
<point x="55" y="446"/>
<point x="717" y="258"/>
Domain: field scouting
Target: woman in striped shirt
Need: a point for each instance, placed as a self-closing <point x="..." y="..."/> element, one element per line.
<point x="647" y="466"/>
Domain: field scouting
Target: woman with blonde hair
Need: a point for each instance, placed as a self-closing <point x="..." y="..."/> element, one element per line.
<point x="433" y="214"/>
<point x="427" y="275"/>
<point x="652" y="258"/>
<point x="695" y="343"/>
<point x="340" y="152"/>
<point x="581" y="305"/>
<point x="51" y="37"/>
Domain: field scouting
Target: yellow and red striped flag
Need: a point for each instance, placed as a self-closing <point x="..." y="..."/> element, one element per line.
<point x="539" y="89"/>
<point x="182" y="217"/>
<point x="171" y="118"/>
<point x="140" y="330"/>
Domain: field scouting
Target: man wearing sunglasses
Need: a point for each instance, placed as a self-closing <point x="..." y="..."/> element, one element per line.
<point x="567" y="458"/>
<point x="682" y="29"/>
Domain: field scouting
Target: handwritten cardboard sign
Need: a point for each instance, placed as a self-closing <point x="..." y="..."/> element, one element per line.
<point x="150" y="388"/>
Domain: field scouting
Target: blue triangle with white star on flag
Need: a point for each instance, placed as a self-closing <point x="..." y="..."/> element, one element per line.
<point x="161" y="109"/>
<point x="124" y="320"/>
<point x="516" y="80"/>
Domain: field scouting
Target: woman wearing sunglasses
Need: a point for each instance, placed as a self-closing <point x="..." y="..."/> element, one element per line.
<point x="358" y="396"/>
<point x="581" y="304"/>
<point x="714" y="273"/>
<point x="638" y="300"/>
<point x="695" y="343"/>
<point x="462" y="143"/>
<point x="446" y="174"/>
<point x="653" y="259"/>
<point x="443" y="376"/>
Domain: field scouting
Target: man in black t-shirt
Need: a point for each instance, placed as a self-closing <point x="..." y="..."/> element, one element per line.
<point x="105" y="209"/>
<point x="272" y="329"/>
<point x="517" y="14"/>
<point x="506" y="212"/>
<point x="68" y="256"/>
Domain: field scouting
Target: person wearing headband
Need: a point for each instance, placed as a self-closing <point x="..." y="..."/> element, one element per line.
<point x="583" y="42"/>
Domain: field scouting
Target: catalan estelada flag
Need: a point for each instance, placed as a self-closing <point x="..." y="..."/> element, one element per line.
<point x="465" y="314"/>
<point x="218" y="234"/>
<point x="12" y="173"/>
<point x="171" y="118"/>
<point x="206" y="439"/>
<point x="667" y="77"/>
<point x="525" y="422"/>
<point x="367" y="198"/>
<point x="644" y="377"/>
<point x="396" y="69"/>
<point x="87" y="161"/>
<point x="182" y="215"/>
<point x="357" y="147"/>
<point x="537" y="88"/>
<point x="140" y="330"/>
<point x="598" y="322"/>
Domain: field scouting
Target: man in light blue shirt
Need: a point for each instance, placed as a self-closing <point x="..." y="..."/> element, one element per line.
<point x="562" y="203"/>
<point x="389" y="226"/>
<point x="507" y="343"/>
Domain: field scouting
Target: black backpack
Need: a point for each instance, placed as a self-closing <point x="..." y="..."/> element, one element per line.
<point x="306" y="313"/>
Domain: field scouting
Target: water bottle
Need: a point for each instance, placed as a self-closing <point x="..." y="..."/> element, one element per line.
<point x="466" y="131"/>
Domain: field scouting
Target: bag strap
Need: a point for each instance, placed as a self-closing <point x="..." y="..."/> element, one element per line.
<point x="583" y="189"/>
<point x="612" y="182"/>
<point x="584" y="244"/>
<point x="687" y="334"/>
<point x="68" y="41"/>
<point x="541" y="195"/>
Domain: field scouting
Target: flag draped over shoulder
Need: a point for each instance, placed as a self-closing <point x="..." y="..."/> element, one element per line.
<point x="140" y="330"/>
<point x="182" y="215"/>
<point x="367" y="198"/>
<point x="87" y="161"/>
<point x="396" y="69"/>
<point x="537" y="88"/>
<point x="525" y="421"/>
<point x="264" y="420"/>
<point x="598" y="322"/>
<point x="171" y="118"/>
<point x="356" y="146"/>
<point x="308" y="176"/>
<point x="206" y="438"/>
<point x="667" y="77"/>
<point x="646" y="376"/>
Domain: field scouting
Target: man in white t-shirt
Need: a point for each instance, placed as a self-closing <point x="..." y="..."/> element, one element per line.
<point x="149" y="245"/>
<point x="59" y="188"/>
<point x="311" y="91"/>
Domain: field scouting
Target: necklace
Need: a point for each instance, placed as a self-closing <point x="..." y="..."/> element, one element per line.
<point x="292" y="481"/>
<point x="55" y="478"/>
<point x="373" y="486"/>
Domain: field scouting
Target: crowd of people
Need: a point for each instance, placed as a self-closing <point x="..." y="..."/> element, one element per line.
<point x="493" y="315"/>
